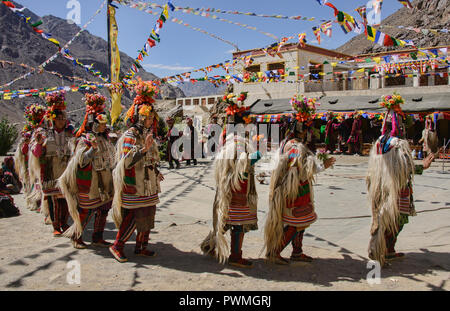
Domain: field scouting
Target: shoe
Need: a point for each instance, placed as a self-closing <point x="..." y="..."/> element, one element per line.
<point x="146" y="253"/>
<point x="281" y="261"/>
<point x="79" y="244"/>
<point x="301" y="257"/>
<point x="57" y="233"/>
<point x="393" y="256"/>
<point x="118" y="255"/>
<point x="242" y="263"/>
<point x="195" y="162"/>
<point x="101" y="243"/>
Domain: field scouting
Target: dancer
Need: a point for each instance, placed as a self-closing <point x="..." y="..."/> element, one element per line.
<point x="87" y="181"/>
<point x="235" y="203"/>
<point x="389" y="182"/>
<point x="291" y="197"/>
<point x="33" y="115"/>
<point x="136" y="176"/>
<point x="50" y="153"/>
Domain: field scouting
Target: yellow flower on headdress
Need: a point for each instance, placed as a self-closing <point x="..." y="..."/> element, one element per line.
<point x="145" y="110"/>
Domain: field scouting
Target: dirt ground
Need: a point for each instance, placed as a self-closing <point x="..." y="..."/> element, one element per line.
<point x="32" y="259"/>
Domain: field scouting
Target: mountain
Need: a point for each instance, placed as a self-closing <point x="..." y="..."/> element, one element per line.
<point x="21" y="45"/>
<point x="201" y="88"/>
<point x="426" y="14"/>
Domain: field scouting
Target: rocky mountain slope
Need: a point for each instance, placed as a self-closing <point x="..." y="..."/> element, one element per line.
<point x="21" y="45"/>
<point x="201" y="88"/>
<point x="426" y="14"/>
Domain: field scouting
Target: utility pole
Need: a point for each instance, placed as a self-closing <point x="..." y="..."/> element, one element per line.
<point x="109" y="40"/>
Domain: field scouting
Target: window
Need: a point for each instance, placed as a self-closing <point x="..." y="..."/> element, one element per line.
<point x="395" y="81"/>
<point x="275" y="66"/>
<point x="211" y="101"/>
<point x="196" y="101"/>
<point x="441" y="77"/>
<point x="180" y="102"/>
<point x="187" y="102"/>
<point x="203" y="101"/>
<point x="423" y="80"/>
<point x="315" y="69"/>
<point x="254" y="68"/>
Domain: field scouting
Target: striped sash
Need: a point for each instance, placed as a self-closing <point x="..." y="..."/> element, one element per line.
<point x="130" y="201"/>
<point x="85" y="202"/>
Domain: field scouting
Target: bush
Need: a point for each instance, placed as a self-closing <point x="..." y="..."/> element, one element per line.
<point x="8" y="135"/>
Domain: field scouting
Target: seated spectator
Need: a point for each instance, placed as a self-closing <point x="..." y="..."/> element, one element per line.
<point x="10" y="182"/>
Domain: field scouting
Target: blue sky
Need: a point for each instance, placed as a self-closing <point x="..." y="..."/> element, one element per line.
<point x="182" y="49"/>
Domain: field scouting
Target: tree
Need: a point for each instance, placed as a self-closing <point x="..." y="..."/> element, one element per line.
<point x="8" y="135"/>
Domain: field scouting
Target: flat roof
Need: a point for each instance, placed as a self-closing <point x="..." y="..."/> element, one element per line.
<point x="296" y="46"/>
<point x="413" y="103"/>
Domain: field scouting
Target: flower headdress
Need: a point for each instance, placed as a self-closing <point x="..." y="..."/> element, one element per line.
<point x="55" y="101"/>
<point x="305" y="107"/>
<point x="392" y="104"/>
<point x="95" y="105"/>
<point x="143" y="103"/>
<point x="235" y="104"/>
<point x="33" y="115"/>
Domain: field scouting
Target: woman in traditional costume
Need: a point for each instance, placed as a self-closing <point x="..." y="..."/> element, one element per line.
<point x="136" y="176"/>
<point x="87" y="181"/>
<point x="291" y="197"/>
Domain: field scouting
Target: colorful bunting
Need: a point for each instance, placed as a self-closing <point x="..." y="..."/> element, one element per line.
<point x="302" y="39"/>
<point x="326" y="28"/>
<point x="406" y="3"/>
<point x="316" y="32"/>
<point x="149" y="43"/>
<point x="207" y="11"/>
<point x="47" y="36"/>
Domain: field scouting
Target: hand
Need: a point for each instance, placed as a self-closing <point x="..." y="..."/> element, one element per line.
<point x="160" y="177"/>
<point x="39" y="139"/>
<point x="94" y="145"/>
<point x="427" y="161"/>
<point x="148" y="142"/>
<point x="329" y="162"/>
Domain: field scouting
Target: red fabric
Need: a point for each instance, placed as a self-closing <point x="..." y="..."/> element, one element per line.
<point x="9" y="4"/>
<point x="130" y="189"/>
<point x="37" y="150"/>
<point x="25" y="148"/>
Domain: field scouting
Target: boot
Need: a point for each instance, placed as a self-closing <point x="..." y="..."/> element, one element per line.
<point x="143" y="243"/>
<point x="297" y="252"/>
<point x="288" y="235"/>
<point x="78" y="243"/>
<point x="117" y="251"/>
<point x="99" y="226"/>
<point x="391" y="239"/>
<point x="235" y="259"/>
<point x="138" y="246"/>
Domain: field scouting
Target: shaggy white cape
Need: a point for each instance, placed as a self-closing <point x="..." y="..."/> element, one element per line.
<point x="229" y="172"/>
<point x="69" y="188"/>
<point x="387" y="174"/>
<point x="284" y="185"/>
